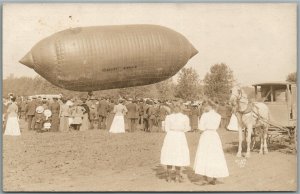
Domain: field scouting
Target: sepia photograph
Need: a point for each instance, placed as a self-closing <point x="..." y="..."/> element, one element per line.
<point x="149" y="97"/>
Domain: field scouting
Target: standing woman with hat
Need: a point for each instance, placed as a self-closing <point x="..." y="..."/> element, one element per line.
<point x="175" y="151"/>
<point x="210" y="160"/>
<point x="118" y="123"/>
<point x="12" y="124"/>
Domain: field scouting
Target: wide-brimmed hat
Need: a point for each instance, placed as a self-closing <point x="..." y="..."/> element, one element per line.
<point x="39" y="109"/>
<point x="47" y="113"/>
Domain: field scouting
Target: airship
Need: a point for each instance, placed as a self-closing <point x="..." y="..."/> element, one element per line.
<point x="107" y="57"/>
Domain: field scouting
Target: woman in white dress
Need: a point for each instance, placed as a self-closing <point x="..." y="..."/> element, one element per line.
<point x="118" y="123"/>
<point x="210" y="160"/>
<point x="12" y="126"/>
<point x="175" y="151"/>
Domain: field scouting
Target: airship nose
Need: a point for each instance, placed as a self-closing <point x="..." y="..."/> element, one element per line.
<point x="194" y="52"/>
<point x="27" y="60"/>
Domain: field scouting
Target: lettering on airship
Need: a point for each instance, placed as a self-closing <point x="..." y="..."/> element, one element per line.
<point x="119" y="68"/>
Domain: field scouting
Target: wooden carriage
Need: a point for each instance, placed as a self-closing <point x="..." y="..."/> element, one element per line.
<point x="281" y="98"/>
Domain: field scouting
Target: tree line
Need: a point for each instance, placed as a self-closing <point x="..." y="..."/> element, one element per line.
<point x="189" y="86"/>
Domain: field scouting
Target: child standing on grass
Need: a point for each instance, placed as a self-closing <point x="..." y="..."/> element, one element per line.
<point x="175" y="151"/>
<point x="210" y="160"/>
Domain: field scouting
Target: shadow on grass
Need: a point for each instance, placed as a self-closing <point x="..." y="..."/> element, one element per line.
<point x="281" y="146"/>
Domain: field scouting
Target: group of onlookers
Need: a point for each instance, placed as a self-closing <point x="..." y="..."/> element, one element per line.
<point x="65" y="114"/>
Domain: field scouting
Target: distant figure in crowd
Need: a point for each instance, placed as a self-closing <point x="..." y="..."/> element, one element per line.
<point x="118" y="123"/>
<point x="38" y="119"/>
<point x="163" y="111"/>
<point x="111" y="113"/>
<point x="77" y="114"/>
<point x="194" y="116"/>
<point x="45" y="104"/>
<point x="30" y="112"/>
<point x="141" y="114"/>
<point x="210" y="160"/>
<point x="23" y="109"/>
<point x="132" y="114"/>
<point x="175" y="151"/>
<point x="54" y="108"/>
<point x="85" y="119"/>
<point x="12" y="125"/>
<point x="146" y="106"/>
<point x="64" y="114"/>
<point x="151" y="116"/>
<point x="102" y="112"/>
<point x="91" y="102"/>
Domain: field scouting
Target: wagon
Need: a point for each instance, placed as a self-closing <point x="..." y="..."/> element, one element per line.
<point x="281" y="99"/>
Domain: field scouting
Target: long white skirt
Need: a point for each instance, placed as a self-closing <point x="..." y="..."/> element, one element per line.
<point x="12" y="127"/>
<point x="118" y="124"/>
<point x="210" y="160"/>
<point x="175" y="150"/>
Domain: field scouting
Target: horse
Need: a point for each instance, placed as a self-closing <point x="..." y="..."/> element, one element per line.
<point x="252" y="116"/>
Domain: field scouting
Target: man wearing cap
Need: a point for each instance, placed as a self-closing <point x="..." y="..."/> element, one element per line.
<point x="30" y="112"/>
<point x="132" y="114"/>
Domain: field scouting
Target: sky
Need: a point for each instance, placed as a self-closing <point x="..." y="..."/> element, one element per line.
<point x="258" y="42"/>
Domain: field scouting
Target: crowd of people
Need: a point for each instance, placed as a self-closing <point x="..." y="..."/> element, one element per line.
<point x="121" y="115"/>
<point x="116" y="115"/>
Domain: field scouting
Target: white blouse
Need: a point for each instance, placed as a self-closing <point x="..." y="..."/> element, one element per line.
<point x="209" y="121"/>
<point x="177" y="122"/>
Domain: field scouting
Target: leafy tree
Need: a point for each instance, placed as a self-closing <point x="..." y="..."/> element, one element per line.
<point x="166" y="89"/>
<point x="188" y="86"/>
<point x="218" y="82"/>
<point x="292" y="77"/>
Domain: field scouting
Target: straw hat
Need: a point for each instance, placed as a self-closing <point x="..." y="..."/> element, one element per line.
<point x="39" y="109"/>
<point x="47" y="113"/>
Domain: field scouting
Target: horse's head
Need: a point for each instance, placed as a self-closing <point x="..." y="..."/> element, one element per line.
<point x="235" y="95"/>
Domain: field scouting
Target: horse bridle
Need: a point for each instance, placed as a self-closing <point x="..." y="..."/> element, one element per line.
<point x="239" y="96"/>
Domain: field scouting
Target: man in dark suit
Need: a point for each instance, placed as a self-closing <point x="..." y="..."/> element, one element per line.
<point x="55" y="108"/>
<point x="103" y="109"/>
<point x="151" y="112"/>
<point x="30" y="112"/>
<point x="132" y="114"/>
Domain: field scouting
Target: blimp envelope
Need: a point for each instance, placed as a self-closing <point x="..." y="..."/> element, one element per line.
<point x="107" y="57"/>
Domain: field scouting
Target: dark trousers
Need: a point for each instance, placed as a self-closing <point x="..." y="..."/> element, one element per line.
<point x="152" y="123"/>
<point x="132" y="124"/>
<point x="29" y="120"/>
<point x="102" y="122"/>
<point x="146" y="124"/>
